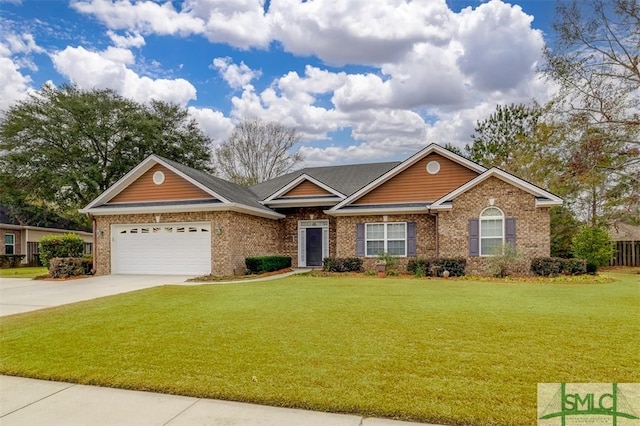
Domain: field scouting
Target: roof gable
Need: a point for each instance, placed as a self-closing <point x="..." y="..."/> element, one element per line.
<point x="543" y="197"/>
<point x="223" y="195"/>
<point x="172" y="187"/>
<point x="456" y="164"/>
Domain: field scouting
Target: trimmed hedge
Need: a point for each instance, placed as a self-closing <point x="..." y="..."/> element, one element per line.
<point x="66" y="245"/>
<point x="342" y="264"/>
<point x="552" y="266"/>
<point x="11" y="260"/>
<point x="65" y="267"/>
<point x="258" y="265"/>
<point x="436" y="266"/>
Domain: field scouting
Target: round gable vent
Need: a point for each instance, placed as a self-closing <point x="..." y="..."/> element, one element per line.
<point x="158" y="178"/>
<point x="433" y="167"/>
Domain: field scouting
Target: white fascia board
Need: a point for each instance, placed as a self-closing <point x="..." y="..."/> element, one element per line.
<point x="431" y="148"/>
<point x="40" y="228"/>
<point x="138" y="171"/>
<point x="288" y="187"/>
<point x="308" y="202"/>
<point x="180" y="208"/>
<point x="548" y="203"/>
<point x="377" y="211"/>
<point x="504" y="176"/>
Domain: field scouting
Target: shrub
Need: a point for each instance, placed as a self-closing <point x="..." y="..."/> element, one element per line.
<point x="546" y="266"/>
<point x="419" y="266"/>
<point x="342" y="264"/>
<point x="506" y="260"/>
<point x="66" y="245"/>
<point x="592" y="268"/>
<point x="65" y="267"/>
<point x="258" y="265"/>
<point x="455" y="265"/>
<point x="574" y="266"/>
<point x="436" y="266"/>
<point x="594" y="244"/>
<point x="552" y="266"/>
<point x="11" y="260"/>
<point x="87" y="264"/>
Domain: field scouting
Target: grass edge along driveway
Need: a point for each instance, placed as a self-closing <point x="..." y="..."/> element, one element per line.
<point x="453" y="352"/>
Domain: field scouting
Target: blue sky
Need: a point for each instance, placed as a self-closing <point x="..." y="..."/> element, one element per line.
<point x="362" y="80"/>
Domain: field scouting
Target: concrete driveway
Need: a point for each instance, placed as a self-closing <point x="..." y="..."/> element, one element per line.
<point x="19" y="295"/>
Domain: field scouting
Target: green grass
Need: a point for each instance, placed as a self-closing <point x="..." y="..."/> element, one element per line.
<point x="453" y="352"/>
<point x="29" y="272"/>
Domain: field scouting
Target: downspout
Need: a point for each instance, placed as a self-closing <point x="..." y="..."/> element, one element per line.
<point x="95" y="245"/>
<point x="435" y="215"/>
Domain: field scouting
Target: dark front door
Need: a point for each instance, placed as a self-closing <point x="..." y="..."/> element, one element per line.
<point x="314" y="246"/>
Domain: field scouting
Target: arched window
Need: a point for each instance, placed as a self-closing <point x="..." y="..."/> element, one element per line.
<point x="491" y="231"/>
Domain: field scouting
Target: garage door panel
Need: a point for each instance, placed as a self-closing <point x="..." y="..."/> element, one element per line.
<point x="181" y="249"/>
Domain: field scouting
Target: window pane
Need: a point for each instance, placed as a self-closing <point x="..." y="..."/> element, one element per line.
<point x="375" y="231"/>
<point x="8" y="238"/>
<point x="490" y="245"/>
<point x="491" y="211"/>
<point x="491" y="228"/>
<point x="375" y="247"/>
<point x="396" y="248"/>
<point x="396" y="231"/>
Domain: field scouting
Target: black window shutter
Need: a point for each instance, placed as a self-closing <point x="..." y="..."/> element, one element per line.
<point x="360" y="249"/>
<point x="474" y="238"/>
<point x="411" y="239"/>
<point x="510" y="231"/>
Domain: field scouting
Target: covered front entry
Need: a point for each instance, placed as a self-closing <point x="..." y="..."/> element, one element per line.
<point x="313" y="242"/>
<point x="161" y="248"/>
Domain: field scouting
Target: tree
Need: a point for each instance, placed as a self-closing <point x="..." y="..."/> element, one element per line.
<point x="257" y="151"/>
<point x="595" y="60"/>
<point x="61" y="147"/>
<point x="594" y="244"/>
<point x="515" y="138"/>
<point x="564" y="226"/>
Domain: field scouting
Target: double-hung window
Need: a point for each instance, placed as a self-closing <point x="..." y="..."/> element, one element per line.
<point x="390" y="238"/>
<point x="491" y="231"/>
<point x="9" y="244"/>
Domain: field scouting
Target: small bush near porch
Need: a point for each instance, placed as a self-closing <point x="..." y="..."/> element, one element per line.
<point x="442" y="351"/>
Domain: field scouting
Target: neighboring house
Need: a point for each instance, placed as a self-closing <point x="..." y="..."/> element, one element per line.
<point x="163" y="217"/>
<point x="23" y="239"/>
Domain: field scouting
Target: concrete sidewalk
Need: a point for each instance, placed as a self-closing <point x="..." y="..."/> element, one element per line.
<point x="39" y="402"/>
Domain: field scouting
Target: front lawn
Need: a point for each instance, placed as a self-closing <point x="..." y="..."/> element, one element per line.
<point x="26" y="272"/>
<point x="442" y="351"/>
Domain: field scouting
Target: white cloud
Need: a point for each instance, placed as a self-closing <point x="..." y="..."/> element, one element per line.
<point x="14" y="84"/>
<point x="213" y="123"/>
<point x="236" y="76"/>
<point x="358" y="31"/>
<point x="240" y="23"/>
<point x="108" y="69"/>
<point x="127" y="40"/>
<point x="429" y="73"/>
<point x="15" y="55"/>
<point x="500" y="48"/>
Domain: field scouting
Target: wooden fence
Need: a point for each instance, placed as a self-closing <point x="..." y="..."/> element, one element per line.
<point x="627" y="254"/>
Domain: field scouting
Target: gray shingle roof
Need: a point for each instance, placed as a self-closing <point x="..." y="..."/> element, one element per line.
<point x="346" y="179"/>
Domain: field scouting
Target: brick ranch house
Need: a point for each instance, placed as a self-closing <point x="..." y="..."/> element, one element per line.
<point x="166" y="218"/>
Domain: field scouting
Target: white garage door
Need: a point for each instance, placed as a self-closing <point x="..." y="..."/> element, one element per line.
<point x="175" y="249"/>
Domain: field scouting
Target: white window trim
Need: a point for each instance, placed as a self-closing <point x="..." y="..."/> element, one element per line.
<point x="480" y="219"/>
<point x="12" y="245"/>
<point x="385" y="238"/>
